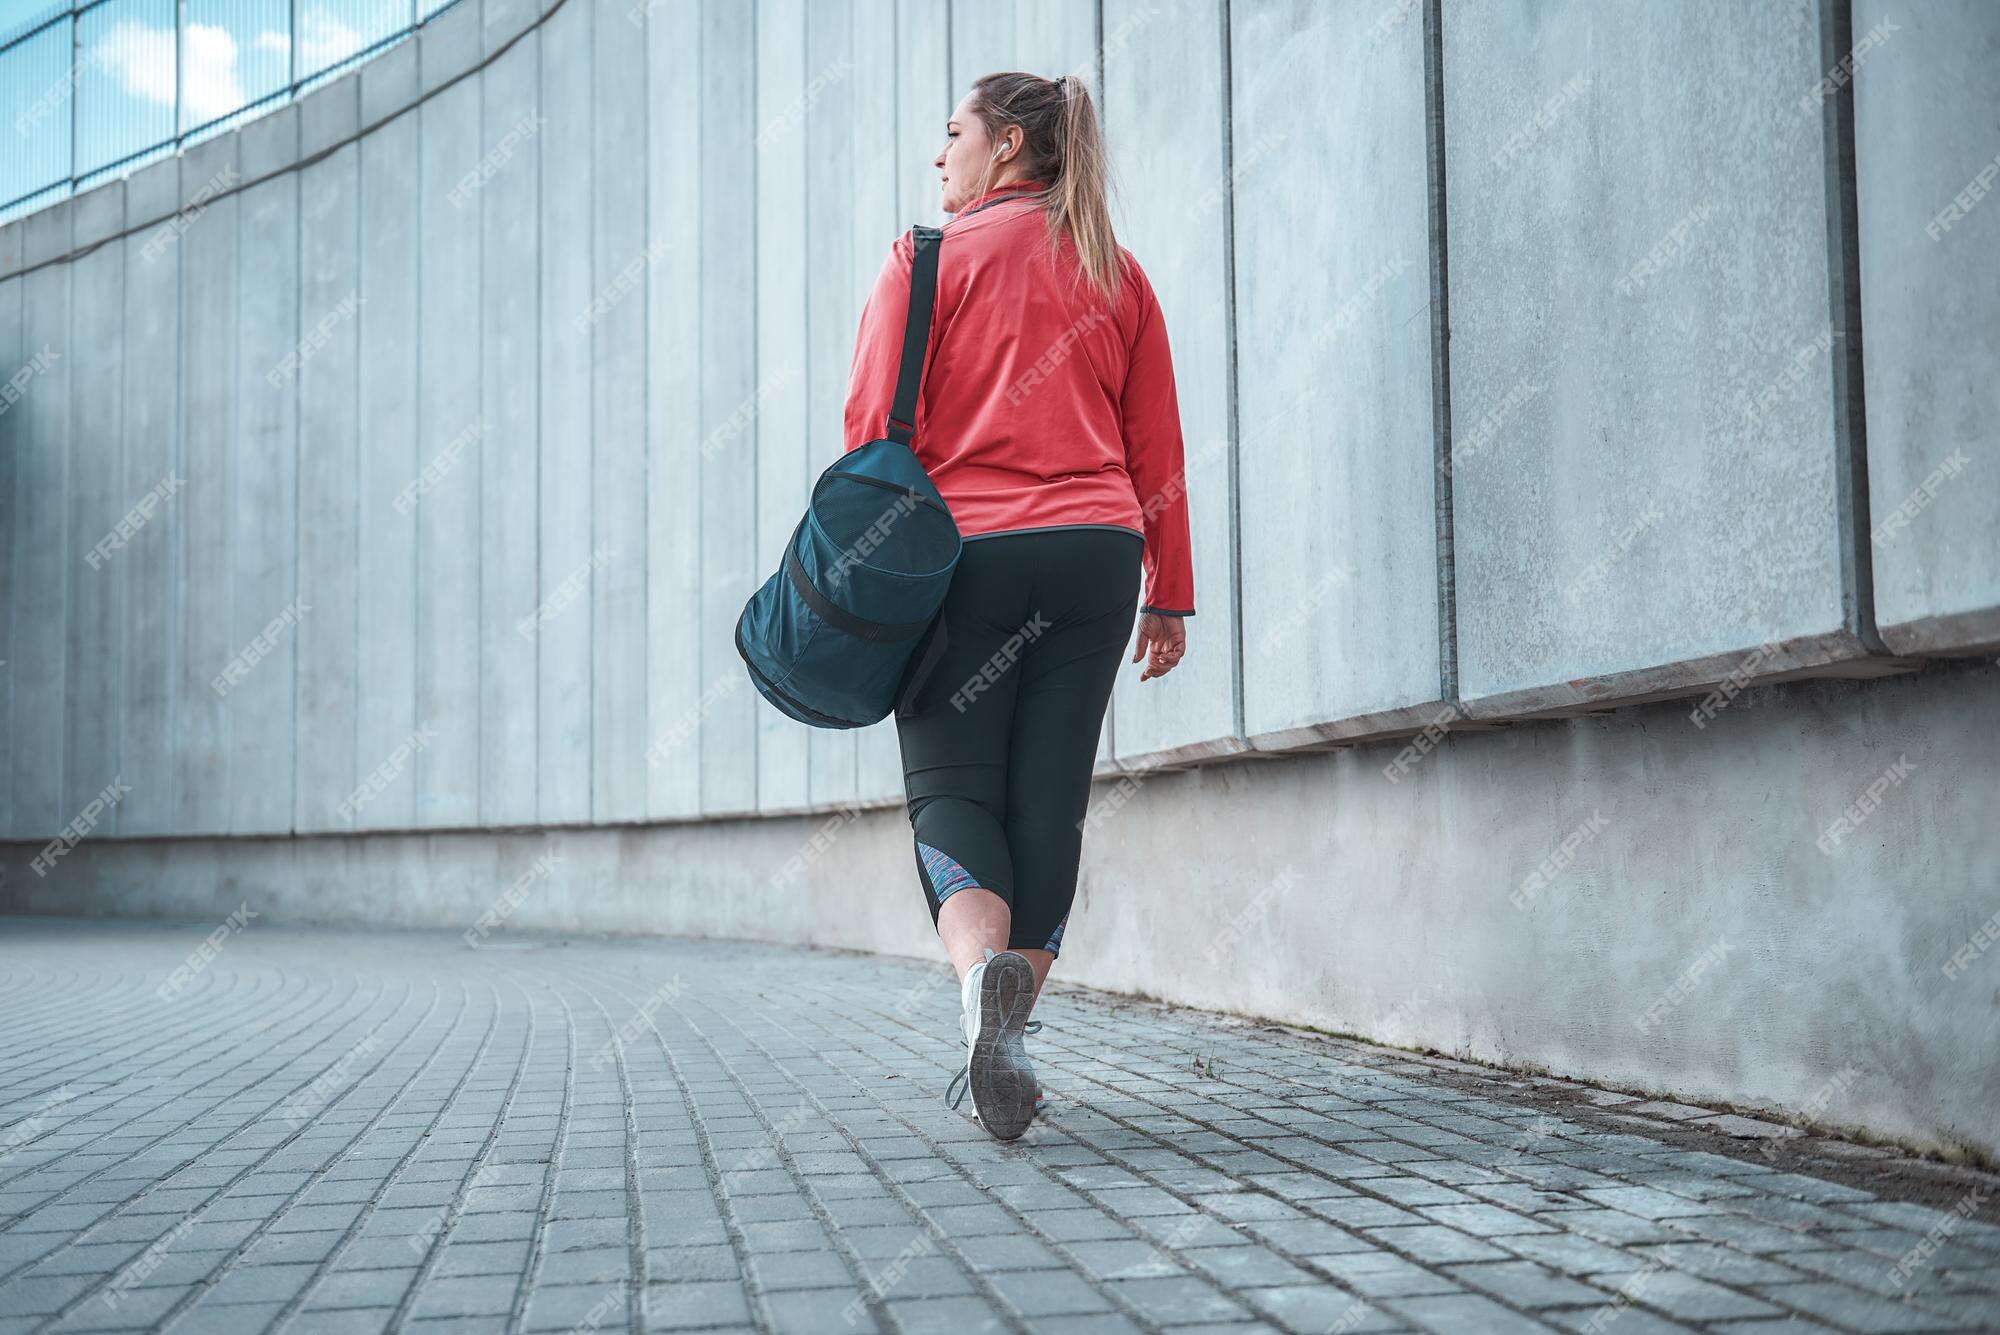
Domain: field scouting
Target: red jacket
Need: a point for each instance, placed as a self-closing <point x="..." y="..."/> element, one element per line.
<point x="1039" y="407"/>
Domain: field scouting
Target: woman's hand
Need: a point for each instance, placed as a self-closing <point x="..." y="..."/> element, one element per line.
<point x="1165" y="638"/>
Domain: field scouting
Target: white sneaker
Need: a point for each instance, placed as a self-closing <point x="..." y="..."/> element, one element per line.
<point x="995" y="999"/>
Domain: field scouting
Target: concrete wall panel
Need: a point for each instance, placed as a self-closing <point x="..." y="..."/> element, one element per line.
<point x="925" y="96"/>
<point x="727" y="734"/>
<point x="152" y="194"/>
<point x="1927" y="136"/>
<point x="148" y="565"/>
<point x="506" y="192"/>
<point x="205" y="587"/>
<point x="389" y="82"/>
<point x="563" y="647"/>
<point x="1164" y="62"/>
<point x="12" y="447"/>
<point x="1646" y="449"/>
<point x="1334" y="384"/>
<point x="621" y="251"/>
<point x="502" y="20"/>
<point x="675" y="440"/>
<point x="386" y="579"/>
<point x="784" y="459"/>
<point x="446" y="767"/>
<point x="44" y="561"/>
<point x="275" y="340"/>
<point x="96" y="501"/>
<point x="1042" y="37"/>
<point x="329" y="470"/>
<point x="330" y="115"/>
<point x="450" y="44"/>
<point x="97" y="214"/>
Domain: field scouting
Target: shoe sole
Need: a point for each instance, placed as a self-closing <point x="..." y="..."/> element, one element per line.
<point x="1003" y="1083"/>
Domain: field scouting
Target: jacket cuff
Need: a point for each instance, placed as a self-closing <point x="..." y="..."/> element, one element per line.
<point x="1166" y="611"/>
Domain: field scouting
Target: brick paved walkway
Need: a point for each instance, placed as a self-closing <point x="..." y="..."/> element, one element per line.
<point x="326" y="1131"/>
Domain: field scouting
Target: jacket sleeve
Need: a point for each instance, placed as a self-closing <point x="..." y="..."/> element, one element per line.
<point x="1151" y="414"/>
<point x="878" y="352"/>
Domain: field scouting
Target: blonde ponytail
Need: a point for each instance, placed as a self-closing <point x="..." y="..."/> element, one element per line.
<point x="1064" y="147"/>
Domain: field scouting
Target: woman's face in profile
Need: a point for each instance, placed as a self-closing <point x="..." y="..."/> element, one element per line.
<point x="968" y="164"/>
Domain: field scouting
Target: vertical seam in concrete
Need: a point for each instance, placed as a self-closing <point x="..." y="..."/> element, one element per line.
<point x="62" y="519"/>
<point x="535" y="659"/>
<point x="1235" y="493"/>
<point x="66" y="699"/>
<point x="478" y="546"/>
<point x="418" y="765"/>
<point x="232" y="531"/>
<point x="850" y="741"/>
<point x="69" y="618"/>
<point x="1104" y="129"/>
<point x="757" y="341"/>
<point x="589" y="24"/>
<point x="115" y="705"/>
<point x="645" y="807"/>
<point x="10" y="506"/>
<point x="1447" y="588"/>
<point x="360" y="428"/>
<point x="177" y="610"/>
<point x="1850" y="417"/>
<point x="805" y="318"/>
<point x="298" y="394"/>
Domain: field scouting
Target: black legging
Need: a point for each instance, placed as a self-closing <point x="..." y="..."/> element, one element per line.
<point x="1000" y="741"/>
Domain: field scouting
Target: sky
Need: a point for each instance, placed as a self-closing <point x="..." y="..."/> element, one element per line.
<point x="122" y="92"/>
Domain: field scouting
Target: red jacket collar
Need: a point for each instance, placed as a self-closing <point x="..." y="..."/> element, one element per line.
<point x="997" y="193"/>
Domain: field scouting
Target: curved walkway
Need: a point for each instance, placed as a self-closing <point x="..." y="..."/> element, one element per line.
<point x="236" y="1127"/>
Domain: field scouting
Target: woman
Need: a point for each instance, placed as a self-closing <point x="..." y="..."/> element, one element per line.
<point x="1049" y="422"/>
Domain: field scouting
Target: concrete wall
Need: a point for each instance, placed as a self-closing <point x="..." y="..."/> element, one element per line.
<point x="1927" y="148"/>
<point x="1647" y="462"/>
<point x="1534" y="356"/>
<point x="551" y="328"/>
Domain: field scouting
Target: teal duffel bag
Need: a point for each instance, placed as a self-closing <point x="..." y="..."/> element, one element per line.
<point x="847" y="629"/>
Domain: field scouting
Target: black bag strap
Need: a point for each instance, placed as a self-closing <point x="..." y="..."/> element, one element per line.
<point x="924" y="242"/>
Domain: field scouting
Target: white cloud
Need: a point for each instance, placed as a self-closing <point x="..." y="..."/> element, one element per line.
<point x="324" y="40"/>
<point x="141" y="58"/>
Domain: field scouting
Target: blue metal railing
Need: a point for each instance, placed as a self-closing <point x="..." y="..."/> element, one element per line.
<point x="93" y="89"/>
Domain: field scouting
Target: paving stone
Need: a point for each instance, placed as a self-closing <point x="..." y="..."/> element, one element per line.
<point x="1043" y="1293"/>
<point x="1722" y="1264"/>
<point x="568" y="1307"/>
<point x="817" y="1311"/>
<point x="345" y="1321"/>
<point x="1179" y="1300"/>
<point x="1467" y="1312"/>
<point x="1244" y="1267"/>
<point x="1524" y="1284"/>
<point x="691" y="1305"/>
<point x="1851" y="1310"/>
<point x="1484" y="1221"/>
<point x="777" y="1148"/>
<point x="1382" y="1275"/>
<point x="1436" y="1244"/>
<point x="1618" y="1321"/>
<point x="1683" y="1296"/>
